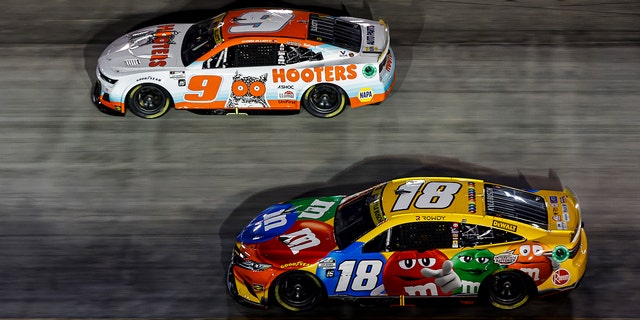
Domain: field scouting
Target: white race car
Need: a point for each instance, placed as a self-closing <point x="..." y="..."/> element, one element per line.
<point x="248" y="61"/>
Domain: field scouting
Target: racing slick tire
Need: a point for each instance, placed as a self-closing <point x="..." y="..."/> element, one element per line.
<point x="324" y="100"/>
<point x="149" y="101"/>
<point x="298" y="291"/>
<point x="508" y="289"/>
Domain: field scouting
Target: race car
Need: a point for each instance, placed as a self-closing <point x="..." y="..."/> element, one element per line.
<point x="412" y="238"/>
<point x="248" y="61"/>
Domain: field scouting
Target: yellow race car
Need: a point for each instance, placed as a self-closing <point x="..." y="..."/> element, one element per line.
<point x="413" y="237"/>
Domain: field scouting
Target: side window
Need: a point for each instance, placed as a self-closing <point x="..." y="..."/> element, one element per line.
<point x="252" y="55"/>
<point x="288" y="54"/>
<point x="217" y="61"/>
<point x="477" y="235"/>
<point x="418" y="236"/>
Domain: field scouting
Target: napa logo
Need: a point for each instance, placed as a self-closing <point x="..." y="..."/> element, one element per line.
<point x="365" y="95"/>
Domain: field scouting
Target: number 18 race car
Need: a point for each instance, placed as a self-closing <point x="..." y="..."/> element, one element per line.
<point x="412" y="237"/>
<point x="248" y="60"/>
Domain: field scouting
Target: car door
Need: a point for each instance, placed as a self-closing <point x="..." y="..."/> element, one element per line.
<point x="235" y="77"/>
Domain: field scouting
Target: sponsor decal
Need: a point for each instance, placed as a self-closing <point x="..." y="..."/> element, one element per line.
<point x="506" y="258"/>
<point x="176" y="74"/>
<point x="556" y="217"/>
<point x="182" y="83"/>
<point x="561" y="225"/>
<point x="317" y="74"/>
<point x="371" y="38"/>
<point x="389" y="63"/>
<point x="504" y="225"/>
<point x="365" y="95"/>
<point x="369" y="71"/>
<point x="430" y="218"/>
<point x="286" y="95"/>
<point x="471" y="196"/>
<point x="161" y="41"/>
<point x="554" y="201"/>
<point x="149" y="78"/>
<point x="327" y="263"/>
<point x="248" y="91"/>
<point x="316" y="209"/>
<point x="300" y="240"/>
<point x="376" y="207"/>
<point x="298" y="264"/>
<point x="561" y="277"/>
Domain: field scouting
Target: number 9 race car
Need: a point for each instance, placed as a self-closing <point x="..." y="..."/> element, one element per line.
<point x="414" y="238"/>
<point x="248" y="60"/>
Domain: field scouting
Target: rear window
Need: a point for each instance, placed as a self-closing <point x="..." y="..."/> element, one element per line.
<point x="334" y="31"/>
<point x="517" y="205"/>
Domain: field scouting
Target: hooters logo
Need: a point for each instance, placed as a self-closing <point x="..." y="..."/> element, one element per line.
<point x="561" y="277"/>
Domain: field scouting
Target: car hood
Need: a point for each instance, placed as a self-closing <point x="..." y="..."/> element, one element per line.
<point x="148" y="48"/>
<point x="292" y="234"/>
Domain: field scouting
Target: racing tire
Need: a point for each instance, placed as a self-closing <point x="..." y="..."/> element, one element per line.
<point x="149" y="101"/>
<point x="324" y="100"/>
<point x="298" y="291"/>
<point x="508" y="289"/>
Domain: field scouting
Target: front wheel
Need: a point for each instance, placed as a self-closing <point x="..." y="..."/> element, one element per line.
<point x="324" y="100"/>
<point x="148" y="101"/>
<point x="298" y="291"/>
<point x="508" y="289"/>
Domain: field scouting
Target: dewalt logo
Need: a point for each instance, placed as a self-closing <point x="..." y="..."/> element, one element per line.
<point x="504" y="225"/>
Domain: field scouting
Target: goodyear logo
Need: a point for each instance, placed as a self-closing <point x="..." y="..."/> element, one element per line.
<point x="365" y="95"/>
<point x="504" y="225"/>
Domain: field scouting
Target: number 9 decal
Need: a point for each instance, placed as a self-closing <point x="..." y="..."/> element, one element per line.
<point x="268" y="21"/>
<point x="205" y="88"/>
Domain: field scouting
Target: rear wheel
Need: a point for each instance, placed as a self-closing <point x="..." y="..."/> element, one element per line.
<point x="298" y="291"/>
<point x="508" y="289"/>
<point x="324" y="100"/>
<point x="148" y="101"/>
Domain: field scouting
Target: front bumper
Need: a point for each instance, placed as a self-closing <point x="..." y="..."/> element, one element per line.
<point x="101" y="100"/>
<point x="235" y="285"/>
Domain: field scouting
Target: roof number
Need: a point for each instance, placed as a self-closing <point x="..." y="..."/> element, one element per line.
<point x="257" y="21"/>
<point x="434" y="195"/>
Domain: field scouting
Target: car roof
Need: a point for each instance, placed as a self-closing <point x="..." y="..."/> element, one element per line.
<point x="276" y="22"/>
<point x="401" y="196"/>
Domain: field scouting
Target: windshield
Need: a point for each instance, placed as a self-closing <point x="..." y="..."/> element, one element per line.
<point x="358" y="215"/>
<point x="200" y="38"/>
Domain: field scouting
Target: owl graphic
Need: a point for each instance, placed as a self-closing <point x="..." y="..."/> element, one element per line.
<point x="248" y="92"/>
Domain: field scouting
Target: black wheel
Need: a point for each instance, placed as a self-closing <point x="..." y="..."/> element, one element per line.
<point x="148" y="101"/>
<point x="508" y="289"/>
<point x="324" y="100"/>
<point x="298" y="291"/>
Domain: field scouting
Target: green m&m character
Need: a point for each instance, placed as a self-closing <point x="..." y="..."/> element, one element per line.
<point x="472" y="266"/>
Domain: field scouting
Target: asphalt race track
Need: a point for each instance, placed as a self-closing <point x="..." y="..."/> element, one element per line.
<point x="120" y="217"/>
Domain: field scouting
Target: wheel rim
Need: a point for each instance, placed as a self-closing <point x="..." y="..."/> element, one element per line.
<point x="298" y="291"/>
<point x="150" y="100"/>
<point x="325" y="99"/>
<point x="508" y="289"/>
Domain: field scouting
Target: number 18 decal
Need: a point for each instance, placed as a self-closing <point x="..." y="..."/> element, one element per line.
<point x="364" y="279"/>
<point x="434" y="195"/>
